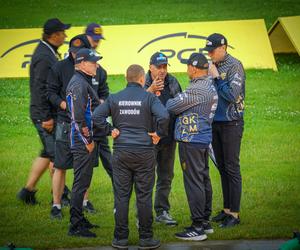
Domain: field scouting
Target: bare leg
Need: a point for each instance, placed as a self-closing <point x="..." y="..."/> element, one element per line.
<point x="39" y="166"/>
<point x="58" y="184"/>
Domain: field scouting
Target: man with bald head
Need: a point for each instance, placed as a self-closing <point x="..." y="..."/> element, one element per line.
<point x="133" y="110"/>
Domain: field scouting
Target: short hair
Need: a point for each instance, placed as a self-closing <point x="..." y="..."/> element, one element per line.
<point x="134" y="73"/>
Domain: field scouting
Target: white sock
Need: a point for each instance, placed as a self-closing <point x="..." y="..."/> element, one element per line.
<point x="57" y="205"/>
<point x="85" y="202"/>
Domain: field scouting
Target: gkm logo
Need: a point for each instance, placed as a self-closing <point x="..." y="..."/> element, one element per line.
<point x="181" y="54"/>
<point x="26" y="56"/>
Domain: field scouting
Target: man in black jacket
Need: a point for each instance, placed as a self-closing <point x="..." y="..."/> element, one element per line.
<point x="58" y="79"/>
<point x="165" y="86"/>
<point x="81" y="99"/>
<point x="44" y="57"/>
<point x="133" y="111"/>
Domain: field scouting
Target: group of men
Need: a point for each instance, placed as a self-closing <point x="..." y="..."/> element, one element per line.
<point x="148" y="118"/>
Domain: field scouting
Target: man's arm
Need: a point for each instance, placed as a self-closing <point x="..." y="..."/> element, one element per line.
<point x="99" y="117"/>
<point x="231" y="89"/>
<point x="103" y="89"/>
<point x="161" y="116"/>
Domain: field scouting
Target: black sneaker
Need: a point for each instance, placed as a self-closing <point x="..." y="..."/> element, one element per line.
<point x="149" y="243"/>
<point x="207" y="227"/>
<point x="55" y="213"/>
<point x="120" y="244"/>
<point x="220" y="217"/>
<point x="230" y="221"/>
<point x="85" y="223"/>
<point x="192" y="233"/>
<point x="28" y="197"/>
<point x="65" y="200"/>
<point x="89" y="208"/>
<point x="81" y="231"/>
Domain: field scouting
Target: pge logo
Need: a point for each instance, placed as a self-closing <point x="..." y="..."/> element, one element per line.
<point x="179" y="54"/>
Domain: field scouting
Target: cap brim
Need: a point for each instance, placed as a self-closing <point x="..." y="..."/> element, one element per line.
<point x="74" y="50"/>
<point x="66" y="26"/>
<point x="209" y="49"/>
<point x="95" y="59"/>
<point x="97" y="37"/>
<point x="161" y="63"/>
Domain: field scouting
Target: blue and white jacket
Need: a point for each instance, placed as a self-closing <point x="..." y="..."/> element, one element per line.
<point x="231" y="90"/>
<point x="196" y="108"/>
<point x="81" y="99"/>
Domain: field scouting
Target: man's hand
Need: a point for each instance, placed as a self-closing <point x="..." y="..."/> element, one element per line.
<point x="90" y="147"/>
<point x="213" y="71"/>
<point x="85" y="131"/>
<point x="115" y="133"/>
<point x="63" y="105"/>
<point x="155" y="137"/>
<point x="48" y="125"/>
<point x="157" y="85"/>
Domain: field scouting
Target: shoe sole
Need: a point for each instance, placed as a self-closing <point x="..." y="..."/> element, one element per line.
<point x="152" y="247"/>
<point x="195" y="238"/>
<point x="119" y="247"/>
<point x="169" y="224"/>
<point x="209" y="231"/>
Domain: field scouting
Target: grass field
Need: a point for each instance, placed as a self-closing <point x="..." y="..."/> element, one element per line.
<point x="270" y="156"/>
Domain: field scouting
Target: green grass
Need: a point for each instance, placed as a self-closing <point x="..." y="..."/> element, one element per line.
<point x="269" y="162"/>
<point x="270" y="156"/>
<point x="33" y="13"/>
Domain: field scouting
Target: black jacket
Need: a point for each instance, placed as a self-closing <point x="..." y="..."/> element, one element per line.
<point x="80" y="105"/>
<point x="58" y="79"/>
<point x="43" y="58"/>
<point x="132" y="111"/>
<point x="171" y="89"/>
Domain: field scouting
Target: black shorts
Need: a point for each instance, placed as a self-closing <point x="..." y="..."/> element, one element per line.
<point x="63" y="155"/>
<point x="47" y="140"/>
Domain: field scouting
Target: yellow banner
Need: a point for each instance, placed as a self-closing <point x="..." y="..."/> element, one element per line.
<point x="134" y="44"/>
<point x="285" y="36"/>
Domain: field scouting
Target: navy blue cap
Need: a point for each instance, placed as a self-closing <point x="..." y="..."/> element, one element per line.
<point x="87" y="55"/>
<point x="197" y="60"/>
<point x="214" y="41"/>
<point x="158" y="58"/>
<point x="54" y="25"/>
<point x="95" y="31"/>
<point x="76" y="43"/>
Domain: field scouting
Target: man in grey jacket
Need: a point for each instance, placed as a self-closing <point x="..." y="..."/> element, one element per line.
<point x="196" y="108"/>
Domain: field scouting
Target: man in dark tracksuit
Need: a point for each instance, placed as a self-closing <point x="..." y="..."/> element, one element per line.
<point x="165" y="86"/>
<point x="41" y="114"/>
<point x="133" y="111"/>
<point x="58" y="79"/>
<point x="80" y="102"/>
<point x="228" y="125"/>
<point x="196" y="107"/>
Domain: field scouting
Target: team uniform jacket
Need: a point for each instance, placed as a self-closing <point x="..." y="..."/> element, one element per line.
<point x="80" y="101"/>
<point x="44" y="57"/>
<point x="231" y="90"/>
<point x="171" y="88"/>
<point x="132" y="111"/>
<point x="196" y="108"/>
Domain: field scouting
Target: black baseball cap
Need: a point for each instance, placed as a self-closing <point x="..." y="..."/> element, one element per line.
<point x="197" y="60"/>
<point x="214" y="41"/>
<point x="54" y="25"/>
<point x="87" y="55"/>
<point x="76" y="43"/>
<point x="95" y="31"/>
<point x="158" y="58"/>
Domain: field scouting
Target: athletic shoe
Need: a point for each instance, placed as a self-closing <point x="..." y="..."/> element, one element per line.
<point x="120" y="244"/>
<point x="89" y="208"/>
<point x="55" y="213"/>
<point x="192" y="233"/>
<point x="220" y="217"/>
<point x="206" y="227"/>
<point x="149" y="243"/>
<point x="166" y="219"/>
<point x="230" y="221"/>
<point x="85" y="223"/>
<point x="65" y="200"/>
<point x="81" y="231"/>
<point x="28" y="197"/>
